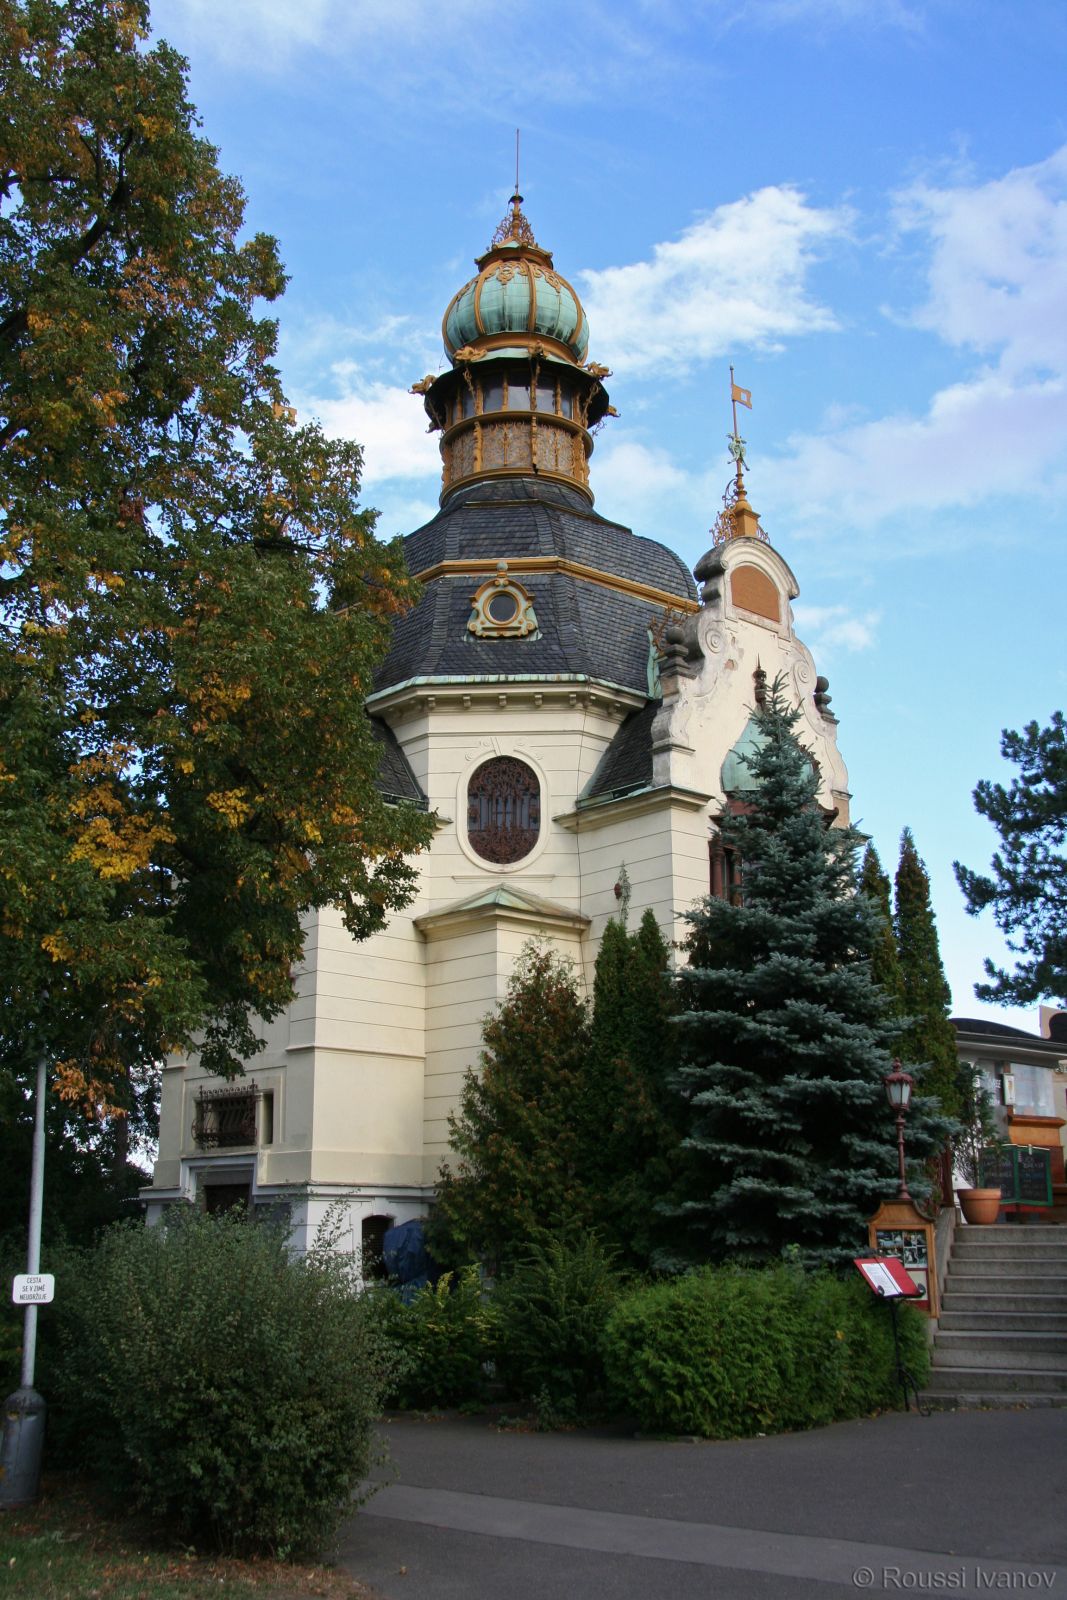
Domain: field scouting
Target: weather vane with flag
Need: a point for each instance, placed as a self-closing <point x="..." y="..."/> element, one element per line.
<point x="738" y="396"/>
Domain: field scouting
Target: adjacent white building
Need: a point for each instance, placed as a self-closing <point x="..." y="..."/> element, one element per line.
<point x="572" y="708"/>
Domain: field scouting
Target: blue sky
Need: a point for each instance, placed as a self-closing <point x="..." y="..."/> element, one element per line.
<point x="861" y="204"/>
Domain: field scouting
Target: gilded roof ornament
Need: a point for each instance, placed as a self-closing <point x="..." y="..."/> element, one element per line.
<point x="514" y="228"/>
<point x="737" y="520"/>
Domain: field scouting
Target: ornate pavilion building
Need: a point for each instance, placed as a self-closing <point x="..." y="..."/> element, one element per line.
<point x="571" y="706"/>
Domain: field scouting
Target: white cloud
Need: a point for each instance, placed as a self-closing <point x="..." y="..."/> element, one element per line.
<point x="735" y="277"/>
<point x="998" y="274"/>
<point x="646" y="489"/>
<point x="385" y="419"/>
<point x="825" y="629"/>
<point x="399" y="48"/>
<point x="255" y="33"/>
<point x="996" y="286"/>
<point x="400" y="513"/>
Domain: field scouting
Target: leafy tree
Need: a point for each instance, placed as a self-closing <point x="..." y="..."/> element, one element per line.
<point x="1028" y="886"/>
<point x="783" y="1033"/>
<point x="517" y="1138"/>
<point x="928" y="1039"/>
<point x="93" y="1173"/>
<point x="191" y="601"/>
<point x="632" y="1123"/>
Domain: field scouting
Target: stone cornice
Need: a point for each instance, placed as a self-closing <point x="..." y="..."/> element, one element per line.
<point x="601" y="812"/>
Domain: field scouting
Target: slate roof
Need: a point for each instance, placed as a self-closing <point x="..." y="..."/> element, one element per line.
<point x="395" y="779"/>
<point x="626" y="764"/>
<point x="586" y="629"/>
<point x="1002" y="1029"/>
<point x="975" y="1027"/>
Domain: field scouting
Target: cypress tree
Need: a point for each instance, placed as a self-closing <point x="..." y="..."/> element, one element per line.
<point x="885" y="960"/>
<point x="928" y="1040"/>
<point x="632" y="1122"/>
<point x="514" y="1177"/>
<point x="784" y="1035"/>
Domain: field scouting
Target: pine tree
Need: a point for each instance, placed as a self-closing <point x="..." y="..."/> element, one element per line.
<point x="514" y="1174"/>
<point x="632" y="1125"/>
<point x="928" y="1040"/>
<point x="784" y="1036"/>
<point x="1027" y="886"/>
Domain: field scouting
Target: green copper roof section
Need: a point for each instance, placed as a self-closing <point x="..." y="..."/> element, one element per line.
<point x="737" y="776"/>
<point x="519" y="292"/>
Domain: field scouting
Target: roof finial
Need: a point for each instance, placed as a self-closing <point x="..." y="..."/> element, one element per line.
<point x="736" y="443"/>
<point x="737" y="519"/>
<point x="515" y="229"/>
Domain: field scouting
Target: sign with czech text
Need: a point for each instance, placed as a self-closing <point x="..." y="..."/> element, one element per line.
<point x="33" y="1289"/>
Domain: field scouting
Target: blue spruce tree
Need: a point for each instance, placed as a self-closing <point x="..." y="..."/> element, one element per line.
<point x="784" y="1036"/>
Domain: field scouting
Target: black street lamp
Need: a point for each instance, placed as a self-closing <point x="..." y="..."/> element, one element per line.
<point x="898" y="1087"/>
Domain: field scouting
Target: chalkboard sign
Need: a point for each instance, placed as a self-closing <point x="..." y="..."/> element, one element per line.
<point x="1023" y="1176"/>
<point x="998" y="1171"/>
<point x="1033" y="1180"/>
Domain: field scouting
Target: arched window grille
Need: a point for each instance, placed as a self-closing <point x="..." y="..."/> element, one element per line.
<point x="503" y="810"/>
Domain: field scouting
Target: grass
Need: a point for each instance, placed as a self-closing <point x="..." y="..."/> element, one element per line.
<point x="68" y="1547"/>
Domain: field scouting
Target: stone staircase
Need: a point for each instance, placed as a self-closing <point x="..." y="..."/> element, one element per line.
<point x="1001" y="1338"/>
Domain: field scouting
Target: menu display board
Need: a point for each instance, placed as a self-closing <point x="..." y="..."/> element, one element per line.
<point x="909" y="1246"/>
<point x="1023" y="1174"/>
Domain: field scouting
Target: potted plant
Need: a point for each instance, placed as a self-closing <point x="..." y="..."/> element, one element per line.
<point x="976" y="1138"/>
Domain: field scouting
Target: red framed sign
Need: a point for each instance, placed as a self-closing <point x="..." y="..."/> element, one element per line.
<point x="888" y="1278"/>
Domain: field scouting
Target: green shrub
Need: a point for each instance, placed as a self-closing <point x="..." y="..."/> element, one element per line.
<point x="727" y="1352"/>
<point x="445" y="1336"/>
<point x="215" y="1381"/>
<point x="552" y="1309"/>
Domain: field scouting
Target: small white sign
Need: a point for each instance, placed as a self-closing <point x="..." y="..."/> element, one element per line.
<point x="33" y="1289"/>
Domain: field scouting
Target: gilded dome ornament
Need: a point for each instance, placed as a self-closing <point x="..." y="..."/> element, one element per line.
<point x="514" y="228"/>
<point x="519" y="399"/>
<point x="737" y="520"/>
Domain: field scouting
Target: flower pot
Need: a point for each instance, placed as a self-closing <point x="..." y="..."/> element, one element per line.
<point x="979" y="1205"/>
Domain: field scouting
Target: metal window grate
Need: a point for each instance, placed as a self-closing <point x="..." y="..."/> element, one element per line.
<point x="225" y="1117"/>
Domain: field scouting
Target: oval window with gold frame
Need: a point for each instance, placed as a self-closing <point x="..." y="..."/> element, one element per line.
<point x="503" y="810"/>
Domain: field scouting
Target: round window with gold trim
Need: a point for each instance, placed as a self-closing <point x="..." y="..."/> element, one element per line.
<point x="503" y="810"/>
<point x="502" y="606"/>
<point x="503" y="609"/>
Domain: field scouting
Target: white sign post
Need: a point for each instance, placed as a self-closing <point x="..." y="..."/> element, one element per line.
<point x="22" y="1440"/>
<point x="33" y="1289"/>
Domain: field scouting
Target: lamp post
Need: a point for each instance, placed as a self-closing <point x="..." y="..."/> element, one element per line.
<point x="898" y="1087"/>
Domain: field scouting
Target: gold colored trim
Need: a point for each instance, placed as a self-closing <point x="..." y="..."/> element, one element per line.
<point x="574" y="569"/>
<point x="548" y="419"/>
<point x="487" y="342"/>
<point x="448" y="313"/>
<point x="478" y="323"/>
<point x="482" y="475"/>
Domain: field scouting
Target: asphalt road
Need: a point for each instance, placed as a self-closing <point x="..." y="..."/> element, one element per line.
<point x="959" y="1503"/>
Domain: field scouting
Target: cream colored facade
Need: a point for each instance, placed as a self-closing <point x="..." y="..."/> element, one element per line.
<point x="356" y="1081"/>
<point x="367" y="1063"/>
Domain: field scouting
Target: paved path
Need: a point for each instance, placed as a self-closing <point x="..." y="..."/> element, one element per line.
<point x="965" y="1503"/>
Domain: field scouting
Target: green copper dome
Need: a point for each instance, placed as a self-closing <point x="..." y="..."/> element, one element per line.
<point x="518" y="298"/>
